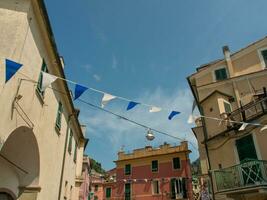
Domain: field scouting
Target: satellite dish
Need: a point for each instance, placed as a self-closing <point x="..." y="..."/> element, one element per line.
<point x="150" y="136"/>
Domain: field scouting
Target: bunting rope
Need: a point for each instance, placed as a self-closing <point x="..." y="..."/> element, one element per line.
<point x="117" y="115"/>
<point x="12" y="67"/>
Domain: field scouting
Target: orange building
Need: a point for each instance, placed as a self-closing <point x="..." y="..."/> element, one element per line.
<point x="151" y="173"/>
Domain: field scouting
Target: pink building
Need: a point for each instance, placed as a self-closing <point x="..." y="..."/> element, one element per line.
<point x="84" y="189"/>
<point x="151" y="174"/>
<point x="96" y="185"/>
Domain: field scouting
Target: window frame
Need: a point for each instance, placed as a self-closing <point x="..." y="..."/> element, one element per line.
<point x="180" y="164"/>
<point x="228" y="103"/>
<point x="158" y="187"/>
<point x="220" y="68"/>
<point x="59" y="116"/>
<point x="70" y="141"/>
<point x="262" y="62"/>
<point x="106" y="193"/>
<point x="130" y="170"/>
<point x="130" y="188"/>
<point x="44" y="68"/>
<point x="75" y="152"/>
<point x="152" y="169"/>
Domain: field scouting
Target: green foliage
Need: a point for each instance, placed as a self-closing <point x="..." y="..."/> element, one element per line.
<point x="96" y="166"/>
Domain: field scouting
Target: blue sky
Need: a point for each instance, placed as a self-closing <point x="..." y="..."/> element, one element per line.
<point x="144" y="50"/>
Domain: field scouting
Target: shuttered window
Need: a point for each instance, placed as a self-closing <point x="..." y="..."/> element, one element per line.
<point x="154" y="166"/>
<point x="59" y="115"/>
<point x="221" y="74"/>
<point x="127" y="192"/>
<point x="40" y="79"/>
<point x="127" y="169"/>
<point x="155" y="187"/>
<point x="75" y="152"/>
<point x="108" y="192"/>
<point x="70" y="142"/>
<point x="176" y="163"/>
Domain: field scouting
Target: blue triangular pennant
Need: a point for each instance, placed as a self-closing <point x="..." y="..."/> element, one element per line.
<point x="131" y="105"/>
<point x="172" y="114"/>
<point x="79" y="90"/>
<point x="11" y="68"/>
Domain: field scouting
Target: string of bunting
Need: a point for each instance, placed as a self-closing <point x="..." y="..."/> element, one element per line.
<point x="47" y="79"/>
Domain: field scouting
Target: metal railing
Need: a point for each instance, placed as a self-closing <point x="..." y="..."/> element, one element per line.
<point x="247" y="174"/>
<point x="250" y="111"/>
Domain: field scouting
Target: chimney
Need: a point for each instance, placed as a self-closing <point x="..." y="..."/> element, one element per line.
<point x="227" y="57"/>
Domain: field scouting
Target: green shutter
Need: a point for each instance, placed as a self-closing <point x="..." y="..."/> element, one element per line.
<point x="40" y="79"/>
<point x="75" y="153"/>
<point x="59" y="115"/>
<point x="127" y="169"/>
<point x="176" y="163"/>
<point x="70" y="141"/>
<point x="245" y="148"/>
<point x="127" y="191"/>
<point x="108" y="192"/>
<point x="154" y="166"/>
<point x="221" y="74"/>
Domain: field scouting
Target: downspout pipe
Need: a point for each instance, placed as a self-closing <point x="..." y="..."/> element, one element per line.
<point x="205" y="133"/>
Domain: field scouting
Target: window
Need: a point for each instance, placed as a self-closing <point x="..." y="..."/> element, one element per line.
<point x="264" y="56"/>
<point x="66" y="190"/>
<point x="59" y="115"/>
<point x="246" y="148"/>
<point x="155" y="187"/>
<point x="127" y="191"/>
<point x="40" y="79"/>
<point x="176" y="163"/>
<point x="108" y="192"/>
<point x="70" y="192"/>
<point x="75" y="152"/>
<point x="70" y="141"/>
<point x="220" y="74"/>
<point x="227" y="107"/>
<point x="178" y="188"/>
<point x="96" y="188"/>
<point x="127" y="169"/>
<point x="154" y="166"/>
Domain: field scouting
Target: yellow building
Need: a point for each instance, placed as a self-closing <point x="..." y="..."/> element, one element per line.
<point x="228" y="91"/>
<point x="41" y="140"/>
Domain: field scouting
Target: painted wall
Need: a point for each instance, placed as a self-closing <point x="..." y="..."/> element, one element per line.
<point x="24" y="39"/>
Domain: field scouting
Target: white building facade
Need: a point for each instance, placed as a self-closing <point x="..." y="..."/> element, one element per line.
<point x="41" y="139"/>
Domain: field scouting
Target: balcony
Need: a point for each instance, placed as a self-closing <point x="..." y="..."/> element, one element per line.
<point x="250" y="111"/>
<point x="246" y="177"/>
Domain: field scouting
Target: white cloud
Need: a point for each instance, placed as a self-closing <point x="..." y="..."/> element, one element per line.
<point x="87" y="67"/>
<point x="97" y="77"/>
<point x="119" y="132"/>
<point x="114" y="62"/>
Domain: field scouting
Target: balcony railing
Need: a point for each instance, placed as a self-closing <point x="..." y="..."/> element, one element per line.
<point x="248" y="174"/>
<point x="250" y="111"/>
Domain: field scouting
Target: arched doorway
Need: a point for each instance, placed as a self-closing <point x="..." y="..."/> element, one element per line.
<point x="19" y="162"/>
<point x="5" y="196"/>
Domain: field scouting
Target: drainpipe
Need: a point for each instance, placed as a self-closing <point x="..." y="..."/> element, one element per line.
<point x="205" y="134"/>
<point x="227" y="57"/>
<point x="64" y="157"/>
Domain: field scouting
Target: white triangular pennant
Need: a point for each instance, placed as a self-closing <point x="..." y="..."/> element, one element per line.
<point x="263" y="128"/>
<point x="190" y="119"/>
<point x="155" y="109"/>
<point x="47" y="80"/>
<point x="243" y="127"/>
<point x="106" y="98"/>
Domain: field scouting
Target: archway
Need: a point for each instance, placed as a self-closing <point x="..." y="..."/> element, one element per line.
<point x="19" y="161"/>
<point x="5" y="196"/>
